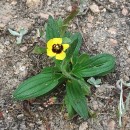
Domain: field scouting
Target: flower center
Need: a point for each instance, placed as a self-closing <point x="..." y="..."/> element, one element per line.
<point x="57" y="48"/>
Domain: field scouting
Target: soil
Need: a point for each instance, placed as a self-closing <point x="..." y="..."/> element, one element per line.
<point x="105" y="27"/>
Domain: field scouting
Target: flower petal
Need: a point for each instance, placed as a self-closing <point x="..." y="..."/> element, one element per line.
<point x="65" y="46"/>
<point x="57" y="40"/>
<point x="61" y="56"/>
<point x="50" y="53"/>
<point x="50" y="43"/>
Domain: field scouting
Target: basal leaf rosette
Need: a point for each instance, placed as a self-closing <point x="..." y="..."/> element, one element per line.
<point x="56" y="49"/>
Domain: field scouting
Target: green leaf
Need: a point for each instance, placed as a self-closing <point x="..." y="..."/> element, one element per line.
<point x="77" y="36"/>
<point x="38" y="50"/>
<point x="52" y="29"/>
<point x="37" y="85"/>
<point x="77" y="98"/>
<point x="94" y="82"/>
<point x="19" y="35"/>
<point x="58" y="64"/>
<point x="77" y="49"/>
<point x="23" y="31"/>
<point x="70" y="110"/>
<point x="71" y="50"/>
<point x="50" y="69"/>
<point x="82" y="58"/>
<point x="66" y="40"/>
<point x="60" y="24"/>
<point x="96" y="65"/>
<point x="69" y="54"/>
<point x="67" y="34"/>
<point x="84" y="86"/>
<point x="14" y="33"/>
<point x="19" y="40"/>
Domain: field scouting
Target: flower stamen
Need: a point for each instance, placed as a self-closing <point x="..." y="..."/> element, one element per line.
<point x="57" y="48"/>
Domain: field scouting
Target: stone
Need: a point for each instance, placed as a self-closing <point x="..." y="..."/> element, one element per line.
<point x="22" y="68"/>
<point x="49" y="2"/>
<point x="42" y="127"/>
<point x="90" y="18"/>
<point x="14" y="2"/>
<point x="128" y="60"/>
<point x="43" y="15"/>
<point x="95" y="105"/>
<point x="112" y="1"/>
<point x="22" y="23"/>
<point x="128" y="48"/>
<point x="94" y="8"/>
<point x="40" y="108"/>
<point x="89" y="25"/>
<point x="7" y="42"/>
<point x="1" y="49"/>
<point x="33" y="3"/>
<point x="112" y="30"/>
<point x="113" y="42"/>
<point x="69" y="8"/>
<point x="83" y="126"/>
<point x="23" y="49"/>
<point x="125" y="11"/>
<point x="2" y="25"/>
<point x="20" y="116"/>
<point x="111" y="125"/>
<point x="31" y="125"/>
<point x="104" y="10"/>
<point x="125" y="78"/>
<point x="39" y="122"/>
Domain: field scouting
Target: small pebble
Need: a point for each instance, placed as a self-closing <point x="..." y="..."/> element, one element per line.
<point x="31" y="125"/>
<point x="49" y="2"/>
<point x="128" y="48"/>
<point x="20" y="116"/>
<point x="89" y="25"/>
<point x="69" y="8"/>
<point x="90" y="18"/>
<point x="112" y="31"/>
<point x="14" y="3"/>
<point x="1" y="49"/>
<point x="113" y="42"/>
<point x="2" y="25"/>
<point x="83" y="126"/>
<point x="39" y="122"/>
<point x="43" y="15"/>
<point x="124" y="11"/>
<point x="40" y="108"/>
<point x="128" y="60"/>
<point x="7" y="43"/>
<point x="95" y="105"/>
<point x="22" y="68"/>
<point x="33" y="3"/>
<point x="111" y="125"/>
<point x="94" y="8"/>
<point x="112" y="1"/>
<point x="104" y="10"/>
<point x="126" y="78"/>
<point x="23" y="49"/>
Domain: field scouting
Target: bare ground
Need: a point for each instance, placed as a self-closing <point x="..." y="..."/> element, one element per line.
<point x="105" y="29"/>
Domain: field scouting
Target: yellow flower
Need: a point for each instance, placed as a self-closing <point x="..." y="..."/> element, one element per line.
<point x="56" y="48"/>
